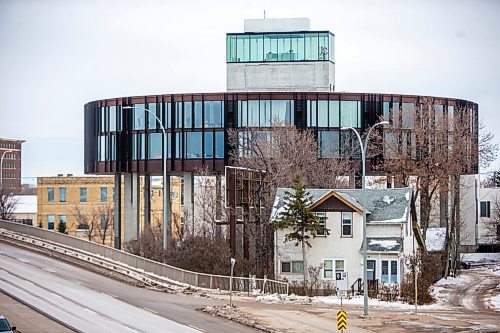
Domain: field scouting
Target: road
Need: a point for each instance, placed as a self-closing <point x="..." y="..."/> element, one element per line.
<point x="91" y="302"/>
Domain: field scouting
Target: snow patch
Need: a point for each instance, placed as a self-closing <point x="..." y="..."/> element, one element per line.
<point x="407" y="196"/>
<point x="453" y="281"/>
<point x="402" y="219"/>
<point x="434" y="240"/>
<point x="387" y="199"/>
<point x="481" y="258"/>
<point x="387" y="244"/>
<point x="495" y="302"/>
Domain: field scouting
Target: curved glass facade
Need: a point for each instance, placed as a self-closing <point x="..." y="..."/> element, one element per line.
<point x="274" y="47"/>
<point x="119" y="139"/>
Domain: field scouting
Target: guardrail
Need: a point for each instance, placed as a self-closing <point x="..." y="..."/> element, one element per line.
<point x="182" y="276"/>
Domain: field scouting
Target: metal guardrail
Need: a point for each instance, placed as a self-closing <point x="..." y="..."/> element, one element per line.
<point x="194" y="279"/>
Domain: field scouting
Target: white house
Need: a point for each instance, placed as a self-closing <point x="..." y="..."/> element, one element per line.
<point x="389" y="235"/>
<point x="489" y="225"/>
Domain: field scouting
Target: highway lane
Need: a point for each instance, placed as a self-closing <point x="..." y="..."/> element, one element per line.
<point x="84" y="298"/>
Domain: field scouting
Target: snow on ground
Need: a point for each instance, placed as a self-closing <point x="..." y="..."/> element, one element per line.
<point x="434" y="239"/>
<point x="335" y="300"/>
<point x="495" y="302"/>
<point x="495" y="269"/>
<point x="439" y="291"/>
<point x="481" y="258"/>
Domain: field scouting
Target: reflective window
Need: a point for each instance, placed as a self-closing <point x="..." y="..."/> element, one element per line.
<point x="102" y="148"/>
<point x="208" y="151"/>
<point x="187" y="114"/>
<point x="152" y="122"/>
<point x="242" y="114"/>
<point x="119" y="118"/>
<point x="253" y="113"/>
<point x="396" y="114"/>
<point x="178" y="115"/>
<point x="311" y="114"/>
<point x="346" y="224"/>
<point x="408" y="113"/>
<point x="50" y="194"/>
<point x="198" y="114"/>
<point x="138" y="147"/>
<point x="102" y="112"/>
<point x="350" y="114"/>
<point x="50" y="222"/>
<point x="219" y="144"/>
<point x="155" y="144"/>
<point x="385" y="111"/>
<point x="62" y="194"/>
<point x="83" y="194"/>
<point x="322" y="113"/>
<point x="282" y="112"/>
<point x="265" y="113"/>
<point x="192" y="145"/>
<point x="139" y="117"/>
<point x="327" y="269"/>
<point x="112" y="118"/>
<point x="168" y="115"/>
<point x="333" y="114"/>
<point x="328" y="142"/>
<point x="178" y="145"/>
<point x="280" y="47"/>
<point x="104" y="194"/>
<point x="214" y="114"/>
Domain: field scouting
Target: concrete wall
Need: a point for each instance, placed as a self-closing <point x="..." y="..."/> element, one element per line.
<point x="281" y="76"/>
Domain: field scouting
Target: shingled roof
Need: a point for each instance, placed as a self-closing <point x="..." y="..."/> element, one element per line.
<point x="390" y="205"/>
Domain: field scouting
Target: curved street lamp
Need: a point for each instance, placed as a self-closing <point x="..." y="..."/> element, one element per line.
<point x="166" y="191"/>
<point x="363" y="165"/>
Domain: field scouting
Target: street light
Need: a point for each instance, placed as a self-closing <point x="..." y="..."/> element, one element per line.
<point x="363" y="162"/>
<point x="1" y="167"/>
<point x="166" y="191"/>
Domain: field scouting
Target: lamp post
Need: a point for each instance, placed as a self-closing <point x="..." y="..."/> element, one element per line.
<point x="1" y="167"/>
<point x="363" y="165"/>
<point x="166" y="191"/>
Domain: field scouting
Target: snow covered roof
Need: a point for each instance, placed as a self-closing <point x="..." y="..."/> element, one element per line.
<point x="434" y="239"/>
<point x="382" y="205"/>
<point x="26" y="204"/>
<point x="385" y="244"/>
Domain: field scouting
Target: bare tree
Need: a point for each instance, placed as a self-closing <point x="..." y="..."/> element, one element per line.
<point x="106" y="215"/>
<point x="8" y="204"/>
<point x="87" y="222"/>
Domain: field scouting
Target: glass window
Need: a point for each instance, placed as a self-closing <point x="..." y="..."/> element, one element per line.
<point x="152" y="122"/>
<point x="346" y="224"/>
<point x="385" y="271"/>
<point x="349" y="114"/>
<point x="370" y="268"/>
<point x="178" y="115"/>
<point x="119" y="119"/>
<point x="192" y="147"/>
<point x="407" y="114"/>
<point x="311" y="42"/>
<point x="322" y="222"/>
<point x="50" y="194"/>
<point x="323" y="46"/>
<point x="214" y="114"/>
<point x="139" y="117"/>
<point x="298" y="47"/>
<point x="138" y="147"/>
<point x="322" y="113"/>
<point x="339" y="266"/>
<point x="242" y="48"/>
<point x="62" y="194"/>
<point x="297" y="267"/>
<point x="253" y="113"/>
<point x="209" y="145"/>
<point x="328" y="144"/>
<point x="63" y="219"/>
<point x="385" y="111"/>
<point x="219" y="144"/>
<point x="394" y="271"/>
<point x="332" y="47"/>
<point x="231" y="48"/>
<point x="155" y="145"/>
<point x="311" y="113"/>
<point x="178" y="145"/>
<point x="242" y="114"/>
<point x="396" y="114"/>
<point x="83" y="194"/>
<point x="286" y="267"/>
<point x="485" y="209"/>
<point x="256" y="48"/>
<point x="168" y="115"/>
<point x="328" y="269"/>
<point x="198" y="114"/>
<point x="391" y="145"/>
<point x="282" y="112"/>
<point x="265" y="113"/>
<point x="333" y="114"/>
<point x="187" y="114"/>
<point x="270" y="48"/>
<point x="50" y="222"/>
<point x="112" y="118"/>
<point x="104" y="194"/>
<point x="284" y="50"/>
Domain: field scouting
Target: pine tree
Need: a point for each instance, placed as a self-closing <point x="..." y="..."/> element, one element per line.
<point x="299" y="218"/>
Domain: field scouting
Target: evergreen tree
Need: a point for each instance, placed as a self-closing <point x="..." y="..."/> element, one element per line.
<point x="61" y="227"/>
<point x="299" y="218"/>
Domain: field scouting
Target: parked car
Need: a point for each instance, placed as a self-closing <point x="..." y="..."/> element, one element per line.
<point x="5" y="326"/>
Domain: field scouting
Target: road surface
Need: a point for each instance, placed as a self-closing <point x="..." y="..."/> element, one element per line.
<point x="91" y="302"/>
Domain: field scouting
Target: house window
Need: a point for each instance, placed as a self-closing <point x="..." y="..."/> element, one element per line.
<point x="370" y="268"/>
<point x="292" y="267"/>
<point x="50" y="194"/>
<point x="485" y="209"/>
<point x="330" y="264"/>
<point x="389" y="266"/>
<point x="104" y="194"/>
<point x="62" y="194"/>
<point x="63" y="219"/>
<point x="83" y="194"/>
<point x="322" y="222"/>
<point x="50" y="220"/>
<point x="346" y="224"/>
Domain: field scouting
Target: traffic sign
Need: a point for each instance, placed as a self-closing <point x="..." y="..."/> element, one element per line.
<point x="342" y="281"/>
<point x="341" y="320"/>
<point x="342" y="293"/>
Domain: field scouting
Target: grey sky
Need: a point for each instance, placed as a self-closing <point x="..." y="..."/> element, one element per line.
<point x="56" y="55"/>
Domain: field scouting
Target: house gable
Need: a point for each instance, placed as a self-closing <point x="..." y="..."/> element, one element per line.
<point x="332" y="202"/>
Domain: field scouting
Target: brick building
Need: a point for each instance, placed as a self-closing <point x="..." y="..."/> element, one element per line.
<point x="10" y="164"/>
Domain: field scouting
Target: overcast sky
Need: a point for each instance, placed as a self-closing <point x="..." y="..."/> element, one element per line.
<point x="57" y="55"/>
